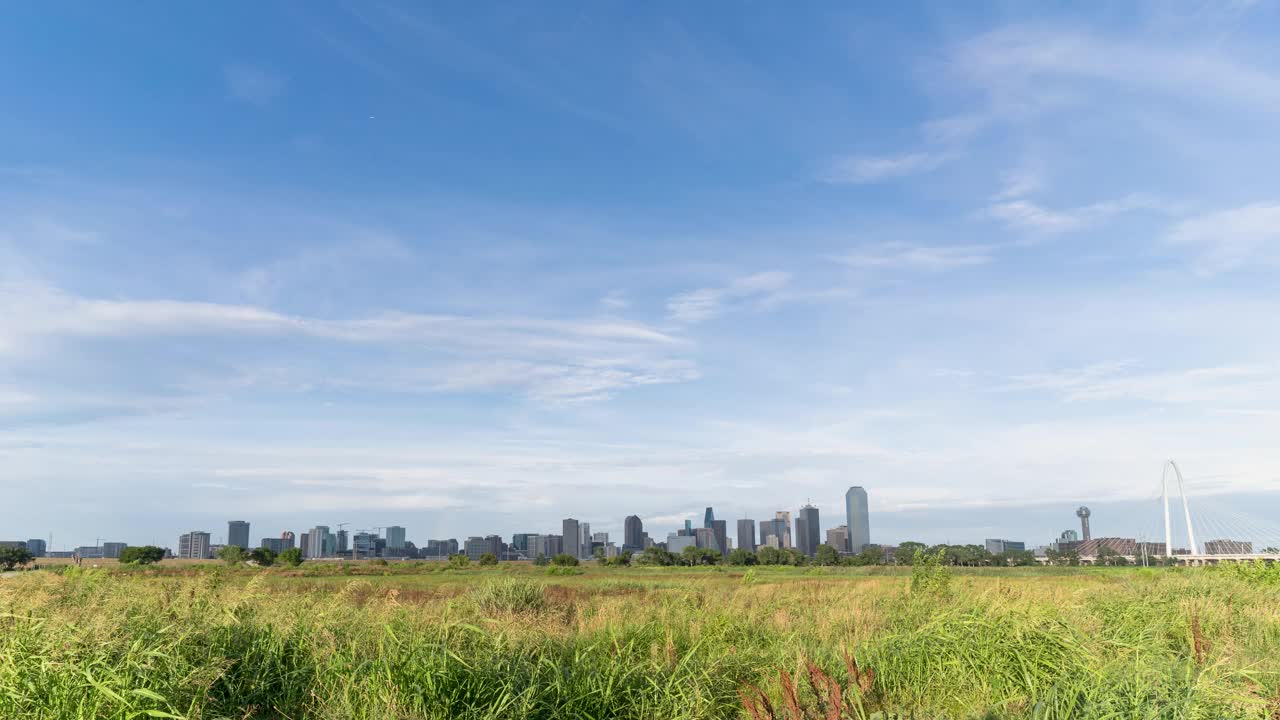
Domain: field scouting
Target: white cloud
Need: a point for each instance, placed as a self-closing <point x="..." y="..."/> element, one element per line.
<point x="914" y="257"/>
<point x="863" y="169"/>
<point x="706" y="303"/>
<point x="1028" y="215"/>
<point x="1230" y="239"/>
<point x="1123" y="381"/>
<point x="252" y="83"/>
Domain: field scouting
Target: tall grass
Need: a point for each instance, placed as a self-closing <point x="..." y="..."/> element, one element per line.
<point x="643" y="644"/>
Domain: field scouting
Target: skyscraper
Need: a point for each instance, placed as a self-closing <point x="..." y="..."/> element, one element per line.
<point x="238" y="534"/>
<point x="194" y="545"/>
<point x="747" y="535"/>
<point x="286" y="539"/>
<point x="317" y="542"/>
<point x="720" y="528"/>
<point x="632" y="533"/>
<point x="395" y="538"/>
<point x="571" y="532"/>
<point x="708" y="517"/>
<point x="782" y="524"/>
<point x="342" y="542"/>
<point x="304" y="544"/>
<point x="808" y="534"/>
<point x="584" y="543"/>
<point x="857" y="518"/>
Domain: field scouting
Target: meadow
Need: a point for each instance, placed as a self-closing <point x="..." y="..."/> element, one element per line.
<point x="417" y="640"/>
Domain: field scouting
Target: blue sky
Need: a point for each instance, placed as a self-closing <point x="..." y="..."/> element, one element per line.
<point x="473" y="269"/>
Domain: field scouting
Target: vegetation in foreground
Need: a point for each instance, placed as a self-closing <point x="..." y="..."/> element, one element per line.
<point x="439" y="641"/>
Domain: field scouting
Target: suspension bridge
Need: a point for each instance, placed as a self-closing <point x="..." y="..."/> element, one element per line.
<point x="1236" y="537"/>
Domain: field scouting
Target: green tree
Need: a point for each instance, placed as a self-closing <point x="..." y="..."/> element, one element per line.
<point x="599" y="555"/>
<point x="459" y="560"/>
<point x="232" y="554"/>
<point x="1023" y="558"/>
<point x="263" y="556"/>
<point x="870" y="555"/>
<point x="768" y="555"/>
<point x="564" y="560"/>
<point x="622" y="559"/>
<point x="826" y="555"/>
<point x="12" y="557"/>
<point x="291" y="557"/>
<point x="656" y="556"/>
<point x="488" y="560"/>
<point x="1108" y="556"/>
<point x="742" y="556"/>
<point x="699" y="556"/>
<point x="141" y="555"/>
<point x="795" y="557"/>
<point x="541" y="560"/>
<point x="906" y="552"/>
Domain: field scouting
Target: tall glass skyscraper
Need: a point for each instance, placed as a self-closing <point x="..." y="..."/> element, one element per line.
<point x="238" y="534"/>
<point x="708" y="518"/>
<point x="859" y="521"/>
<point x="808" y="534"/>
<point x="571" y="532"/>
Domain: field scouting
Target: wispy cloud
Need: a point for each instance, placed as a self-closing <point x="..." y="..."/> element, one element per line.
<point x="1230" y="239"/>
<point x="706" y="303"/>
<point x="251" y="83"/>
<point x="859" y="169"/>
<point x="1126" y="380"/>
<point x="917" y="257"/>
<point x="1026" y="214"/>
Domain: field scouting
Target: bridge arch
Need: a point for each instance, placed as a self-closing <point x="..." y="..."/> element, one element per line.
<point x="1186" y="509"/>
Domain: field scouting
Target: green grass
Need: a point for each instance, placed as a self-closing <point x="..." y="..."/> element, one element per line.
<point x="415" y="641"/>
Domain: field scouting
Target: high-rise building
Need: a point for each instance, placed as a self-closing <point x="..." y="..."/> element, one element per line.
<point x="708" y="517"/>
<point x="720" y="528"/>
<point x="783" y="526"/>
<point x="523" y="543"/>
<point x="857" y="518"/>
<point x="688" y="527"/>
<point x="194" y="545"/>
<point x="705" y="539"/>
<point x="342" y="547"/>
<point x="632" y="531"/>
<point x="996" y="546"/>
<point x="286" y="539"/>
<point x="838" y="538"/>
<point x="37" y="547"/>
<point x="318" y="542"/>
<point x="747" y="535"/>
<point x="440" y="549"/>
<point x="395" y="538"/>
<point x="808" y="533"/>
<point x="275" y="545"/>
<point x="585" y="541"/>
<point x="571" y="531"/>
<point x="304" y="544"/>
<point x="238" y="534"/>
<point x="676" y="543"/>
<point x="476" y="546"/>
<point x="1083" y="513"/>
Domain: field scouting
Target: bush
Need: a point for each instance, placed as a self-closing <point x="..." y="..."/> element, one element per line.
<point x="141" y="555"/>
<point x="11" y="557"/>
<point x="263" y="556"/>
<point x="488" y="560"/>
<point x="564" y="560"/>
<point x="928" y="574"/>
<point x="232" y="554"/>
<point x="291" y="557"/>
<point x="564" y="570"/>
<point x="459" y="561"/>
<point x="511" y="596"/>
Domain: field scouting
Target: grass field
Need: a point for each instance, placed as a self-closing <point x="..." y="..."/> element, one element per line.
<point x="418" y="641"/>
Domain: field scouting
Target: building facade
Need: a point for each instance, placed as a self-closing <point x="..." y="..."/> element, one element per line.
<point x="395" y="537"/>
<point x="838" y="538"/>
<point x="37" y="547"/>
<point x="747" y="535"/>
<point x="808" y="537"/>
<point x="194" y="545"/>
<point x="238" y="534"/>
<point x="857" y="519"/>
<point x="571" y="532"/>
<point x="997" y="546"/>
<point x="632" y="528"/>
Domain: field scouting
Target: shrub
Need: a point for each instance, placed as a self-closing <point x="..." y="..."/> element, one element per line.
<point x="141" y="555"/>
<point x="564" y="570"/>
<point x="459" y="561"/>
<point x="291" y="557"/>
<point x="928" y="574"/>
<point x="488" y="560"/>
<point x="564" y="560"/>
<point x="511" y="596"/>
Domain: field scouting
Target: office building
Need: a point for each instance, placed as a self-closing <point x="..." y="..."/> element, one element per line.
<point x="857" y="519"/>
<point x="475" y="546"/>
<point x="688" y="527"/>
<point x="286" y="540"/>
<point x="747" y="535"/>
<point x="808" y="532"/>
<point x="304" y="543"/>
<point x="708" y="517"/>
<point x="705" y="538"/>
<point x="275" y="545"/>
<point x="194" y="545"/>
<point x="999" y="547"/>
<point x="772" y="533"/>
<point x="341" y="547"/>
<point x="585" y="542"/>
<point x="37" y="547"/>
<point x="238" y="534"/>
<point x="318" y="542"/>
<point x="676" y="543"/>
<point x="364" y="545"/>
<point x="838" y="538"/>
<point x="523" y="543"/>
<point x="632" y="529"/>
<point x="395" y="537"/>
<point x="783" y="518"/>
<point x="440" y="549"/>
<point x="720" y="528"/>
<point x="571" y="532"/>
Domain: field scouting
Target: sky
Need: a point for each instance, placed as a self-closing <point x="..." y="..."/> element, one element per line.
<point x="474" y="268"/>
